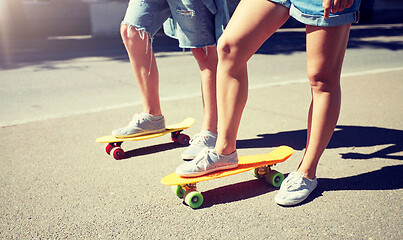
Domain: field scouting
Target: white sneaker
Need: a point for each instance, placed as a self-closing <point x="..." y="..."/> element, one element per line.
<point x="141" y="124"/>
<point x="205" y="139"/>
<point x="207" y="161"/>
<point x="295" y="189"/>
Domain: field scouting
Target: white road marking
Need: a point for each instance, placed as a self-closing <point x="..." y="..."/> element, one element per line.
<point x="182" y="97"/>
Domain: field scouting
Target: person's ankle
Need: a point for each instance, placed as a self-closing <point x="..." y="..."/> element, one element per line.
<point x="224" y="151"/>
<point x="307" y="174"/>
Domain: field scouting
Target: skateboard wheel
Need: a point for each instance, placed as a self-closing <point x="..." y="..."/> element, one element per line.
<point x="109" y="147"/>
<point x="178" y="191"/>
<point x="274" y="178"/>
<point x="117" y="153"/>
<point x="183" y="139"/>
<point x="194" y="199"/>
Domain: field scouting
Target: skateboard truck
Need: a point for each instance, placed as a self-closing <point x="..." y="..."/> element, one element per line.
<point x="194" y="199"/>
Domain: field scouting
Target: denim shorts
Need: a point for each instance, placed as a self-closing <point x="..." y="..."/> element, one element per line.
<point x="193" y="23"/>
<point x="310" y="12"/>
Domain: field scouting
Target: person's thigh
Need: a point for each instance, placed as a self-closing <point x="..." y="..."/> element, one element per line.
<point x="325" y="51"/>
<point x="252" y="23"/>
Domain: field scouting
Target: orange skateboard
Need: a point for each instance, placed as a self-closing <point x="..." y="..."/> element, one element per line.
<point x="186" y="187"/>
<point x="113" y="143"/>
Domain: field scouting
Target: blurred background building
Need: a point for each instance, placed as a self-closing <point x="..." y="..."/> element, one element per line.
<point x="30" y="19"/>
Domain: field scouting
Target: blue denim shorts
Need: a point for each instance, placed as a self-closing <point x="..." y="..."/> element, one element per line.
<point x="310" y="12"/>
<point x="193" y="23"/>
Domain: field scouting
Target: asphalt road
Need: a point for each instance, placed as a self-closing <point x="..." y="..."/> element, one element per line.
<point x="58" y="95"/>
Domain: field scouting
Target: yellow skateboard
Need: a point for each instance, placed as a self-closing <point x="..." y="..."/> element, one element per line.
<point x="186" y="187"/>
<point x="113" y="143"/>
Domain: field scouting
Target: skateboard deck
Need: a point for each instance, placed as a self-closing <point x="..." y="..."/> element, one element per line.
<point x="113" y="143"/>
<point x="186" y="186"/>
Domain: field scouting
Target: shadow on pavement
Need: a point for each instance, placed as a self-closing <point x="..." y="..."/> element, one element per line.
<point x="150" y="150"/>
<point x="16" y="54"/>
<point x="343" y="137"/>
<point x="235" y="192"/>
<point x="386" y="178"/>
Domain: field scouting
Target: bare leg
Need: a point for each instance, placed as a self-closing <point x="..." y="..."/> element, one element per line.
<point x="325" y="53"/>
<point x="252" y="23"/>
<point x="207" y="60"/>
<point x="144" y="67"/>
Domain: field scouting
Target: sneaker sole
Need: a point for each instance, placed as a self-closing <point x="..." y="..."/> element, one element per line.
<point x="139" y="134"/>
<point x="290" y="203"/>
<point x="209" y="171"/>
<point x="188" y="157"/>
<point x="296" y="202"/>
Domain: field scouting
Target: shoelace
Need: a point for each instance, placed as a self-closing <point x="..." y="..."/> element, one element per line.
<point x="295" y="182"/>
<point x="198" y="138"/>
<point x="205" y="159"/>
<point x="202" y="160"/>
<point x="136" y="119"/>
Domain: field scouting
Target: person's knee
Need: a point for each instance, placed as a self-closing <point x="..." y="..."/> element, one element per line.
<point x="231" y="56"/>
<point x="323" y="80"/>
<point x="224" y="48"/>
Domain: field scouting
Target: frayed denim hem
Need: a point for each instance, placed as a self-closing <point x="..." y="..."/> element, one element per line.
<point x="144" y="35"/>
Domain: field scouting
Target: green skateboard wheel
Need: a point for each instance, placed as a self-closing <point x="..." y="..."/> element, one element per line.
<point x="194" y="199"/>
<point x="177" y="189"/>
<point x="274" y="178"/>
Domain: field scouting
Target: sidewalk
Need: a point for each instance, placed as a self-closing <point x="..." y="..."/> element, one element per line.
<point x="56" y="182"/>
